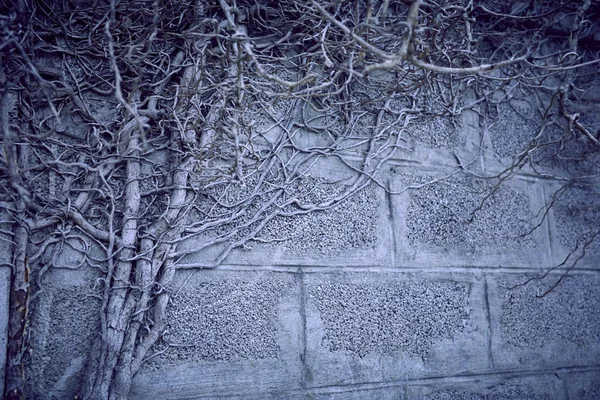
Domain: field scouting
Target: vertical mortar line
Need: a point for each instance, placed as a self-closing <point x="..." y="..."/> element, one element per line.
<point x="488" y="318"/>
<point x="546" y="226"/>
<point x="390" y="205"/>
<point x="564" y="385"/>
<point x="303" y="340"/>
<point x="481" y="136"/>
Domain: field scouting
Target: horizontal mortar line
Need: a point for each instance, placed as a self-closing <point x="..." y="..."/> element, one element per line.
<point x="443" y="166"/>
<point x="449" y="161"/>
<point x="325" y="389"/>
<point x="374" y="268"/>
<point x="288" y="392"/>
<point x="528" y="175"/>
<point x="311" y="269"/>
<point x="458" y="378"/>
<point x="405" y="162"/>
<point x="542" y="177"/>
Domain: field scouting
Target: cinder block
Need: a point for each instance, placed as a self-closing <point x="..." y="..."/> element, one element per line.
<point x="228" y="332"/>
<point x="275" y="395"/>
<point x="448" y="218"/>
<point x="381" y="327"/>
<point x="583" y="385"/>
<point x="63" y="328"/>
<point x="574" y="221"/>
<point x="514" y="127"/>
<point x="560" y="329"/>
<point x="241" y="379"/>
<point x="360" y="392"/>
<point x="496" y="387"/>
<point x="439" y="140"/>
<point x="354" y="232"/>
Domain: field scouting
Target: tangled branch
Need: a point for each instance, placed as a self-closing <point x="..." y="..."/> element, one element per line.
<point x="135" y="126"/>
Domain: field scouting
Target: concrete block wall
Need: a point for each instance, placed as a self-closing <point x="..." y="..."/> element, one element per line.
<point x="402" y="293"/>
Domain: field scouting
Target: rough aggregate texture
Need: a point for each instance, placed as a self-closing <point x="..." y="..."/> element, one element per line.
<point x="577" y="214"/>
<point x="223" y="320"/>
<point x="434" y="126"/>
<point x="505" y="391"/>
<point x="440" y="214"/>
<point x="568" y="314"/>
<point x="513" y="129"/>
<point x="558" y="146"/>
<point x="590" y="394"/>
<point x="361" y="319"/>
<point x="62" y="331"/>
<point x="349" y="225"/>
<point x="386" y="393"/>
<point x="435" y="132"/>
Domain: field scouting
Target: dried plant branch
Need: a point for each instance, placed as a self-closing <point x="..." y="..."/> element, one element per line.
<point x="162" y="123"/>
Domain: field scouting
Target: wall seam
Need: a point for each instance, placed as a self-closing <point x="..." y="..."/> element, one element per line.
<point x="305" y="371"/>
<point x="488" y="319"/>
<point x="392" y="218"/>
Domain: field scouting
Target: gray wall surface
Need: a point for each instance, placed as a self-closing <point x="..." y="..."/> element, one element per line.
<point x="394" y="294"/>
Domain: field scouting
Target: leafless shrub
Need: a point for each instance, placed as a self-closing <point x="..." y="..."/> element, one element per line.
<point x="121" y="119"/>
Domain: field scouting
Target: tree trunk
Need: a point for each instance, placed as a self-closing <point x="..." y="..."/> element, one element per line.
<point x="18" y="315"/>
